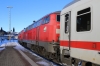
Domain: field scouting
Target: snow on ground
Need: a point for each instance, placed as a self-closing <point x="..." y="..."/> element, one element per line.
<point x="41" y="61"/>
<point x="6" y="43"/>
<point x="45" y="64"/>
<point x="2" y="48"/>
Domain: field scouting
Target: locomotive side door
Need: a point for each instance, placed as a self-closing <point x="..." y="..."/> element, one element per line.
<point x="37" y="34"/>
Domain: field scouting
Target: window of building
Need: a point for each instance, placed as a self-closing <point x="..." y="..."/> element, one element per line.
<point x="83" y="20"/>
<point x="58" y="18"/>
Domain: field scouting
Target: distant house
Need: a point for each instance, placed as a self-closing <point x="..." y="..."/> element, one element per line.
<point x="8" y="35"/>
<point x="2" y="32"/>
<point x="16" y="37"/>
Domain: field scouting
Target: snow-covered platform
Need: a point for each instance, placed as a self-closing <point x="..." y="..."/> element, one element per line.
<point x="13" y="54"/>
<point x="12" y="57"/>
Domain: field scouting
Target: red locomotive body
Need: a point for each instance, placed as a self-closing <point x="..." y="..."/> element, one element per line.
<point x="20" y="36"/>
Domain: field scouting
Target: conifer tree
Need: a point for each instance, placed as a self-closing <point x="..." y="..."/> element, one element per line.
<point x="1" y="29"/>
<point x="13" y="29"/>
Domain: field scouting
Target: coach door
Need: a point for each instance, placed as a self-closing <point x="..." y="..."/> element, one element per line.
<point x="65" y="35"/>
<point x="67" y="27"/>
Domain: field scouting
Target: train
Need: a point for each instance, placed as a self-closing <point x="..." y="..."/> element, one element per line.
<point x="68" y="36"/>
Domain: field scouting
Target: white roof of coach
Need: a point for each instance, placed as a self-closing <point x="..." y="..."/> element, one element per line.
<point x="72" y="5"/>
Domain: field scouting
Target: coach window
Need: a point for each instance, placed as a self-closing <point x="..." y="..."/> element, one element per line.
<point x="58" y="18"/>
<point x="66" y="23"/>
<point x="83" y="20"/>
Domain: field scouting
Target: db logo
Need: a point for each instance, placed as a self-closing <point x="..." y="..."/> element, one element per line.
<point x="45" y="28"/>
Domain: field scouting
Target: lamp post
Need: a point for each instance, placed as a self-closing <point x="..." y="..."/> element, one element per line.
<point x="9" y="20"/>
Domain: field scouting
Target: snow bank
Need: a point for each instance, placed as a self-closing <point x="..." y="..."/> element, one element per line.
<point x="9" y="44"/>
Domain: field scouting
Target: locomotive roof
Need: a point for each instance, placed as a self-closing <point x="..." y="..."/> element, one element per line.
<point x="56" y="12"/>
<point x="52" y="13"/>
<point x="71" y="3"/>
<point x="43" y="17"/>
<point x="49" y="14"/>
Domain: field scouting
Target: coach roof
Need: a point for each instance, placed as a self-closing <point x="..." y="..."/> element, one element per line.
<point x="71" y="3"/>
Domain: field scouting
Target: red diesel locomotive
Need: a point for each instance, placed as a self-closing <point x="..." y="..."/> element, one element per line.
<point x="43" y="35"/>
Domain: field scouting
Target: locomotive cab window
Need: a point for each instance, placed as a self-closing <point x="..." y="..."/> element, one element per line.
<point x="58" y="18"/>
<point x="66" y="22"/>
<point x="47" y="19"/>
<point x="83" y="20"/>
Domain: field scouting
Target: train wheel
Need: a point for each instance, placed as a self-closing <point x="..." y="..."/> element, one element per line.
<point x="50" y="56"/>
<point x="37" y="49"/>
<point x="56" y="57"/>
<point x="73" y="61"/>
<point x="47" y="55"/>
<point x="32" y="47"/>
<point x="43" y="52"/>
